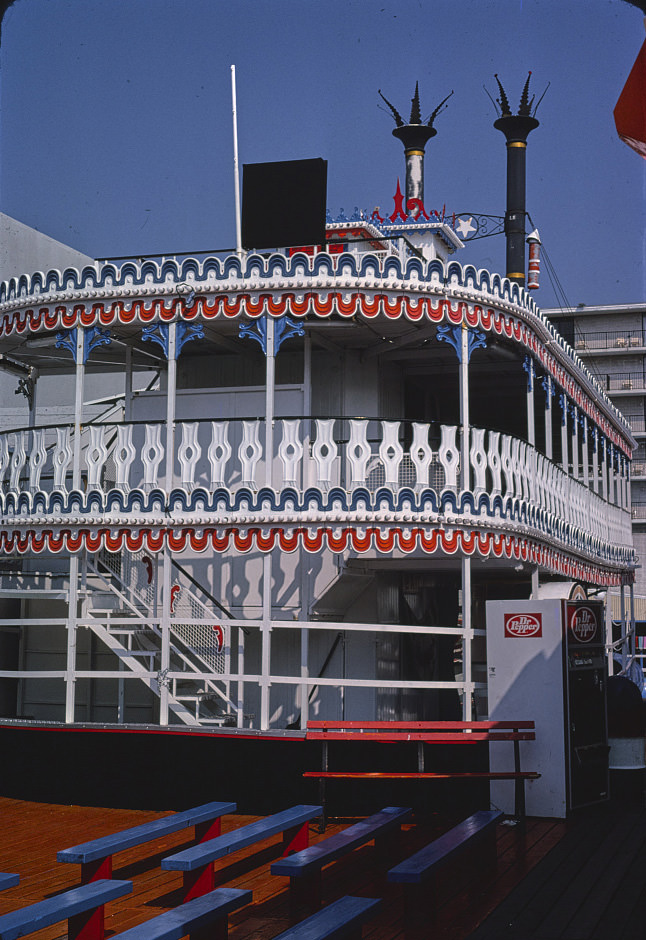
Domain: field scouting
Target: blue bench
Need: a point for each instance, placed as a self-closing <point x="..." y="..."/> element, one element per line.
<point x="416" y="871"/>
<point x="8" y="880"/>
<point x="197" y="919"/>
<point x="304" y="868"/>
<point x="82" y="907"/>
<point x="95" y="857"/>
<point x="196" y="863"/>
<point x="341" y="920"/>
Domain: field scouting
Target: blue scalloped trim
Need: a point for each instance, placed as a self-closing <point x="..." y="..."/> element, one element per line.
<point x="484" y="507"/>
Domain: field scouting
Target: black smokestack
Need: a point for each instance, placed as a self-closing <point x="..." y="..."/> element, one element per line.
<point x="516" y="128"/>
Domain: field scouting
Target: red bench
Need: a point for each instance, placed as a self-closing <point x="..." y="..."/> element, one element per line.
<point x="422" y="733"/>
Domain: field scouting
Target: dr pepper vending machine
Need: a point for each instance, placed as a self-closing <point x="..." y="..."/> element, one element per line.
<point x="546" y="661"/>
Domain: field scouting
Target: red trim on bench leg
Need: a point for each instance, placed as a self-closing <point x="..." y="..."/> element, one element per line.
<point x="210" y="829"/>
<point x="296" y="839"/>
<point x="87" y="926"/>
<point x="197" y="883"/>
<point x="93" y="871"/>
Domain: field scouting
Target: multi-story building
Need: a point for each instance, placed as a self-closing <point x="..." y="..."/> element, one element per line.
<point x="611" y="341"/>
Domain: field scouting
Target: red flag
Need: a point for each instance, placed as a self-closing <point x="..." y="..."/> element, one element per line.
<point x="630" y="110"/>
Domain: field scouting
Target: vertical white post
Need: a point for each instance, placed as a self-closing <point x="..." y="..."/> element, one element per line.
<point x="34" y="391"/>
<point x="78" y="407"/>
<point x="171" y="388"/>
<point x="270" y="362"/>
<point x="575" y="443"/>
<point x="167" y="573"/>
<point x="265" y="683"/>
<point x="236" y="169"/>
<point x="586" y="452"/>
<point x="549" y="450"/>
<point x="565" y="457"/>
<point x="604" y="467"/>
<point x="267" y="563"/>
<point x="165" y="637"/>
<point x="467" y="642"/>
<point x="595" y="460"/>
<point x="531" y="429"/>
<point x="72" y="627"/>
<point x="464" y="408"/>
<point x="633" y="641"/>
<point x="624" y="644"/>
<point x="609" y="638"/>
<point x="240" y="690"/>
<point x="535" y="582"/>
<point x="127" y="408"/>
<point x="304" y="556"/>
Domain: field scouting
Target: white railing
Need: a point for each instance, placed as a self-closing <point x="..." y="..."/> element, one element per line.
<point x="353" y="464"/>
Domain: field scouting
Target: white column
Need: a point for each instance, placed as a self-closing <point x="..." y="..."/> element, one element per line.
<point x="303" y="555"/>
<point x="267" y="565"/>
<point x="467" y="642"/>
<point x="624" y="645"/>
<point x="531" y="431"/>
<point x="167" y="573"/>
<point x="575" y="443"/>
<point x="464" y="410"/>
<point x="171" y="388"/>
<point x="265" y="684"/>
<point x="595" y="460"/>
<point x="128" y="385"/>
<point x="549" y="450"/>
<point x="78" y="407"/>
<point x="586" y="452"/>
<point x="565" y="461"/>
<point x="72" y="627"/>
<point x="604" y="467"/>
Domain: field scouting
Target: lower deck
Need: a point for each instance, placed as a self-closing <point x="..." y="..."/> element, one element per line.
<point x="34" y="832"/>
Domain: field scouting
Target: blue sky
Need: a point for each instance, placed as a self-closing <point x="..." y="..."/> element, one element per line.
<point x="115" y="119"/>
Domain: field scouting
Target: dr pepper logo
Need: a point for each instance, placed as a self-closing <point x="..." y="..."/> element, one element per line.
<point x="523" y="625"/>
<point x="583" y="624"/>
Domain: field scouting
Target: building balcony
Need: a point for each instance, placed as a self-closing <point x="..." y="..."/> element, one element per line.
<point x="355" y="483"/>
<point x="625" y="383"/>
<point x="610" y="341"/>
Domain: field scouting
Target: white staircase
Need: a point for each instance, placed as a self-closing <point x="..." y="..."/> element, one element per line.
<point x="121" y="608"/>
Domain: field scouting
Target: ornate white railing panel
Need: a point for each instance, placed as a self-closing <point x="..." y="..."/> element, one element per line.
<point x="512" y="484"/>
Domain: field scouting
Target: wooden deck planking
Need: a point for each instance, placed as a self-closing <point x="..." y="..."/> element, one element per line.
<point x="33" y="833"/>
<point x="591" y="886"/>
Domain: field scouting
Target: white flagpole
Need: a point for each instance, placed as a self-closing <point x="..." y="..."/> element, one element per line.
<point x="236" y="170"/>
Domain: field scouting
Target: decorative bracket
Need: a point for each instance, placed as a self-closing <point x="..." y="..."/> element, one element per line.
<point x="184" y="333"/>
<point x="453" y="336"/>
<point x="92" y="337"/>
<point x="528" y="366"/>
<point x="26" y="387"/>
<point x="283" y="329"/>
<point x="548" y="387"/>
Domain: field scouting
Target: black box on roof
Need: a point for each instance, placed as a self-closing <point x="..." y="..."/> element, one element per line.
<point x="283" y="204"/>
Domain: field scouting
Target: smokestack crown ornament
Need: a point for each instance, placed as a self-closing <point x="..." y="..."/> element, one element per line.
<point x="414" y="137"/>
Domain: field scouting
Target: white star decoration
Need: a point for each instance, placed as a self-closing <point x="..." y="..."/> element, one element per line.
<point x="466" y="226"/>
